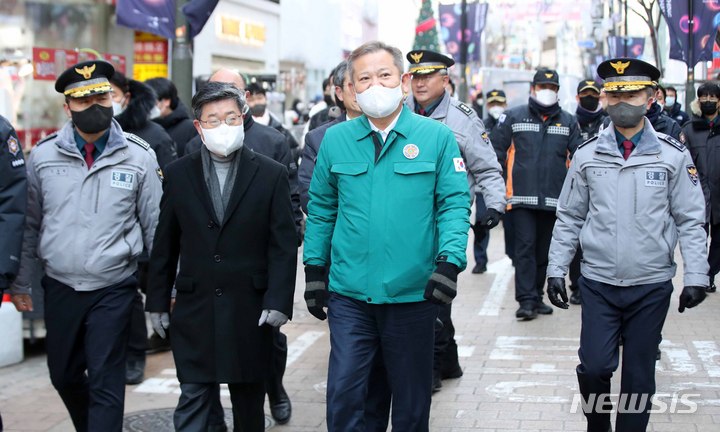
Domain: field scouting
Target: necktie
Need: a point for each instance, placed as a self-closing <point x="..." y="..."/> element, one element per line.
<point x="628" y="147"/>
<point x="89" y="149"/>
<point x="422" y="112"/>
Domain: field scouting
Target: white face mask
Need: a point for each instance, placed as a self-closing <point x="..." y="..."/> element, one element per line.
<point x="118" y="108"/>
<point x="378" y="101"/>
<point x="224" y="139"/>
<point x="496" y="111"/>
<point x="670" y="101"/>
<point x="154" y="113"/>
<point x="546" y="97"/>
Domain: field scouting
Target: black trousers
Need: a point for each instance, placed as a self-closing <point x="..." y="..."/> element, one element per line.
<point x="86" y="346"/>
<point x="196" y="402"/>
<point x="637" y="314"/>
<point x="482" y="235"/>
<point x="533" y="232"/>
<point x="509" y="234"/>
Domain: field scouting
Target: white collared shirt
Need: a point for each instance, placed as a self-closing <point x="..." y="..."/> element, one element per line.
<point x="263" y="119"/>
<point x="384" y="133"/>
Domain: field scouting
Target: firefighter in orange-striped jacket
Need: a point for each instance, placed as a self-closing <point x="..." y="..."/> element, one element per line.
<point x="534" y="143"/>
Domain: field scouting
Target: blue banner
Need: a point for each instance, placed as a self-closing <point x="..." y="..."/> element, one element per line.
<point x="197" y="13"/>
<point x="617" y="44"/>
<point x="152" y="16"/>
<point x="706" y="19"/>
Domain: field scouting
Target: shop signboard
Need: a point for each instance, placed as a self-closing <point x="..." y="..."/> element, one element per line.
<point x="49" y="63"/>
<point x="150" y="56"/>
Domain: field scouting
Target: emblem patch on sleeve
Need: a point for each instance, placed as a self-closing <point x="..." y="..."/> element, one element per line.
<point x="459" y="165"/>
<point x="160" y="174"/>
<point x="13" y="146"/>
<point x="693" y="174"/>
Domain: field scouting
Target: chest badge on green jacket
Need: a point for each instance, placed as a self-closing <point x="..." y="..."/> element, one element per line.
<point x="411" y="151"/>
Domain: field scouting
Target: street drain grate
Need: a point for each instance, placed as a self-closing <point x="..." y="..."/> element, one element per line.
<point x="161" y="420"/>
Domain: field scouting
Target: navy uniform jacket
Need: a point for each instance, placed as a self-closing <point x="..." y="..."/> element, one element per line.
<point x="309" y="156"/>
<point x="13" y="201"/>
<point x="535" y="154"/>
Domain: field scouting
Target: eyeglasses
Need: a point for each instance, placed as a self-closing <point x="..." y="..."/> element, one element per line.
<point x="231" y="120"/>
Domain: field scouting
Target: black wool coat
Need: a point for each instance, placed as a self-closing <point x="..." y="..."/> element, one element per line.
<point x="229" y="271"/>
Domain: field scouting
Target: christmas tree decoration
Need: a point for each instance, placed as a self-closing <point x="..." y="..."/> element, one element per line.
<point x="426" y="34"/>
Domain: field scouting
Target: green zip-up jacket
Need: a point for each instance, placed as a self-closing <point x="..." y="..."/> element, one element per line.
<point x="385" y="223"/>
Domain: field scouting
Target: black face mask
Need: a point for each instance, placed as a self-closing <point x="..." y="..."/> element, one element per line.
<point x="708" y="108"/>
<point x="95" y="119"/>
<point x="258" y="110"/>
<point x="590" y="103"/>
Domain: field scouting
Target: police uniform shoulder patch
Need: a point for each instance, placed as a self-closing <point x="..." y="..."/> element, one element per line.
<point x="47" y="138"/>
<point x="464" y="108"/>
<point x="672" y="141"/>
<point x="588" y="141"/>
<point x="137" y="140"/>
<point x="693" y="174"/>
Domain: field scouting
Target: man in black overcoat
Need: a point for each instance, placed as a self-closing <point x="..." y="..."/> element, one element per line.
<point x="226" y="216"/>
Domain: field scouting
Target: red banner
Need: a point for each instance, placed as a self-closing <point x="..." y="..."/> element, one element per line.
<point x="150" y="49"/>
<point x="50" y="62"/>
<point x="30" y="137"/>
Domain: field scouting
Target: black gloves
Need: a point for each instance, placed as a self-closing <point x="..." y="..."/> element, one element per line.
<point x="691" y="296"/>
<point x="489" y="220"/>
<point x="442" y="286"/>
<point x="316" y="293"/>
<point x="556" y="291"/>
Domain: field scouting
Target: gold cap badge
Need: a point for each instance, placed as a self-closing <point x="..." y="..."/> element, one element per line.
<point x="86" y="71"/>
<point x="620" y="66"/>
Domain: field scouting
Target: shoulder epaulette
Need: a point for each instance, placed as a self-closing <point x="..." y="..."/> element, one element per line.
<point x="464" y="108"/>
<point x="47" y="138"/>
<point x="137" y="140"/>
<point x="672" y="141"/>
<point x="588" y="141"/>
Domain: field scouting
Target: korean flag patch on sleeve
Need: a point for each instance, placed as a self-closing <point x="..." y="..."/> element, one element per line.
<point x="459" y="165"/>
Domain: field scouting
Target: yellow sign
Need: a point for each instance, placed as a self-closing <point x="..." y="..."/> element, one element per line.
<point x="142" y="72"/>
<point x="240" y="30"/>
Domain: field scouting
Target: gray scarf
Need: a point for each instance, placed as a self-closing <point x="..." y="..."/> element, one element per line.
<point x="219" y="200"/>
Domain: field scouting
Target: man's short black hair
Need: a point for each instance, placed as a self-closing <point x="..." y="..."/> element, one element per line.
<point x="709" y="89"/>
<point x="165" y="89"/>
<point x="662" y="89"/>
<point x="668" y="88"/>
<point x="255" y="89"/>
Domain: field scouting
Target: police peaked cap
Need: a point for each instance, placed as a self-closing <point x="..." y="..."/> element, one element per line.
<point x="424" y="62"/>
<point x="85" y="79"/>
<point x="626" y="75"/>
<point x="546" y="76"/>
<point x="495" y="96"/>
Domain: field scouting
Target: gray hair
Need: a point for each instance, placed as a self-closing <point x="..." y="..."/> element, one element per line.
<point x="371" y="47"/>
<point x="339" y="74"/>
<point x="216" y="91"/>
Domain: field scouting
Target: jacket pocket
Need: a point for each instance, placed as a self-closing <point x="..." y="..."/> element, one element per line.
<point x="184" y="284"/>
<point x="406" y="168"/>
<point x="352" y="169"/>
<point x="260" y="282"/>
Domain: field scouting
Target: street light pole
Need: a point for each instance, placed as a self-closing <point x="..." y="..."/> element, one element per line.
<point x="463" y="85"/>
<point x="690" y="84"/>
<point x="181" y="72"/>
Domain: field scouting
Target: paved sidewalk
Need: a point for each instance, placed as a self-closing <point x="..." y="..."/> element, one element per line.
<point x="519" y="376"/>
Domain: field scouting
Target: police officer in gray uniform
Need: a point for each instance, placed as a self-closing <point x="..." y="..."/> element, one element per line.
<point x="629" y="196"/>
<point x="93" y="203"/>
<point x="429" y="80"/>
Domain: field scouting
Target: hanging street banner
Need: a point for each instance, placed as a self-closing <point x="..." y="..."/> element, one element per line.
<point x="450" y="31"/>
<point x="156" y="17"/>
<point x="706" y="15"/>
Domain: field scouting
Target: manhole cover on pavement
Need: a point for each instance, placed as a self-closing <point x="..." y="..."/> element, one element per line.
<point x="161" y="420"/>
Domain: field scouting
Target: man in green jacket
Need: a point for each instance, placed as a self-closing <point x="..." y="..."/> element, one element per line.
<point x="389" y="206"/>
